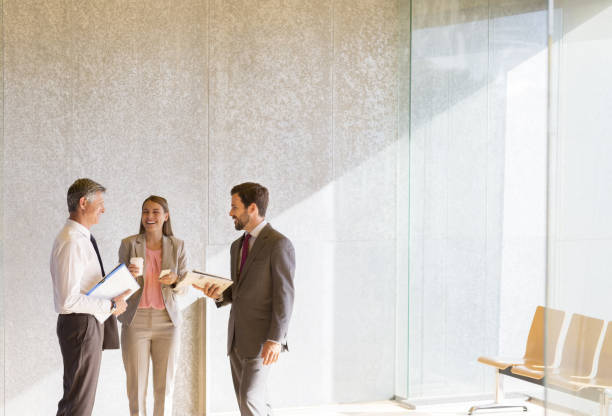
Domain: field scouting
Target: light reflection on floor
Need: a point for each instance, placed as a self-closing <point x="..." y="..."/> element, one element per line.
<point x="387" y="408"/>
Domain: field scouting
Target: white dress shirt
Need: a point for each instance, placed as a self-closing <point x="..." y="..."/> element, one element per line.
<point x="75" y="270"/>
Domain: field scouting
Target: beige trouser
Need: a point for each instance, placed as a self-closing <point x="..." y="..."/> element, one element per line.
<point x="150" y="337"/>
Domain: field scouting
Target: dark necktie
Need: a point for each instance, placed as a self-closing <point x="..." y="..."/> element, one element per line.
<point x="245" y="251"/>
<point x="111" y="332"/>
<point x="95" y="245"/>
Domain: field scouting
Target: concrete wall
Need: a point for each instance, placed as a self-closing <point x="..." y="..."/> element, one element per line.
<point x="312" y="85"/>
<point x="185" y="99"/>
<point x="115" y="91"/>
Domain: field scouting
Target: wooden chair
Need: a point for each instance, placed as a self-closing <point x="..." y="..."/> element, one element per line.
<point x="534" y="356"/>
<point x="578" y="353"/>
<point x="603" y="378"/>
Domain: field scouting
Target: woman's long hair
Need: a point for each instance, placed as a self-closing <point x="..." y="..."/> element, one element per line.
<point x="167" y="228"/>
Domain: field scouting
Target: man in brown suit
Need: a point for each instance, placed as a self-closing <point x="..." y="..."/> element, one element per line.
<point x="262" y="268"/>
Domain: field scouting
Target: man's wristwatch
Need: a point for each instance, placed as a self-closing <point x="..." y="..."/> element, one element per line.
<point x="113" y="306"/>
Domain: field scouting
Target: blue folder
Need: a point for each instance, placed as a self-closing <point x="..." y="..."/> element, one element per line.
<point x="110" y="276"/>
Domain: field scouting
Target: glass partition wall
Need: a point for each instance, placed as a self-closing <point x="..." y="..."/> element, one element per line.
<point x="477" y="180"/>
<point x="506" y="165"/>
<point x="579" y="203"/>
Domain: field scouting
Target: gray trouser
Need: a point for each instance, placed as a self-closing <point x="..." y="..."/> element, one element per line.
<point x="250" y="379"/>
<point x="151" y="336"/>
<point x="80" y="337"/>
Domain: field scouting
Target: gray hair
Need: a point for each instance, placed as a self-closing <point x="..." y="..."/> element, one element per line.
<point x="83" y="187"/>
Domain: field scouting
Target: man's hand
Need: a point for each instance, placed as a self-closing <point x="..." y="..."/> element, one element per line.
<point x="271" y="351"/>
<point x="169" y="279"/>
<point x="210" y="289"/>
<point x="121" y="303"/>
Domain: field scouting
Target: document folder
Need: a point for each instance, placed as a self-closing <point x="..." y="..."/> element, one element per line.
<point x="115" y="283"/>
<point x="200" y="279"/>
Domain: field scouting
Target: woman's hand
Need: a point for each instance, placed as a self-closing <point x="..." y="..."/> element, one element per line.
<point x="169" y="279"/>
<point x="133" y="269"/>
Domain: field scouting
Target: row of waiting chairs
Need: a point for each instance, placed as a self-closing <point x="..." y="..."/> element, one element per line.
<point x="575" y="367"/>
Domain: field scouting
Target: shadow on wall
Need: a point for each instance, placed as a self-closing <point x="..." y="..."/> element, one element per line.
<point x="438" y="39"/>
<point x="342" y="316"/>
<point x="461" y="50"/>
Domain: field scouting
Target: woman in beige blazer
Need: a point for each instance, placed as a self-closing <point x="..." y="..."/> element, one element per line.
<point x="150" y="325"/>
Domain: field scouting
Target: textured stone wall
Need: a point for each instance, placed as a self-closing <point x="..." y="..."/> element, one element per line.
<point x="311" y="87"/>
<point x="186" y="99"/>
<point x="2" y="275"/>
<point x="115" y="91"/>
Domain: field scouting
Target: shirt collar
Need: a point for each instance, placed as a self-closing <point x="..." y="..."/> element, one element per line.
<point x="78" y="227"/>
<point x="255" y="232"/>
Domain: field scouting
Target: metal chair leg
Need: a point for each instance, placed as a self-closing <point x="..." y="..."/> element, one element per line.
<point x="604" y="403"/>
<point x="499" y="397"/>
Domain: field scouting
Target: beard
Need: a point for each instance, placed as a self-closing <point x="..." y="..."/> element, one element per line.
<point x="241" y="222"/>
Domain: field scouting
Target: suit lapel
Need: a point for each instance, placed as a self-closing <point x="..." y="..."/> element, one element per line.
<point x="166" y="262"/>
<point x="139" y="251"/>
<point x="259" y="243"/>
<point x="140" y="246"/>
<point x="234" y="255"/>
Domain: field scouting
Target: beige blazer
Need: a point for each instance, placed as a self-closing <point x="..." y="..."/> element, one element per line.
<point x="174" y="257"/>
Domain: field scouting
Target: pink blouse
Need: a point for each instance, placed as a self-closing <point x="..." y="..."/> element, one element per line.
<point x="151" y="293"/>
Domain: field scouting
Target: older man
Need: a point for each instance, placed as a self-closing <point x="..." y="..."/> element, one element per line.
<point x="76" y="266"/>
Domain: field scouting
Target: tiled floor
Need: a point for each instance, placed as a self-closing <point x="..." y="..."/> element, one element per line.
<point x="387" y="408"/>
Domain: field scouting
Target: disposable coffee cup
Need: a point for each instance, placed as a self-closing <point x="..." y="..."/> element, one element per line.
<point x="138" y="261"/>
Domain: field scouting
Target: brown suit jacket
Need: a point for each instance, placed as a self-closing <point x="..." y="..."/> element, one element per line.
<point x="262" y="296"/>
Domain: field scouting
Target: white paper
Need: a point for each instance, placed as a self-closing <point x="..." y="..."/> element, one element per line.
<point x="115" y="283"/>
